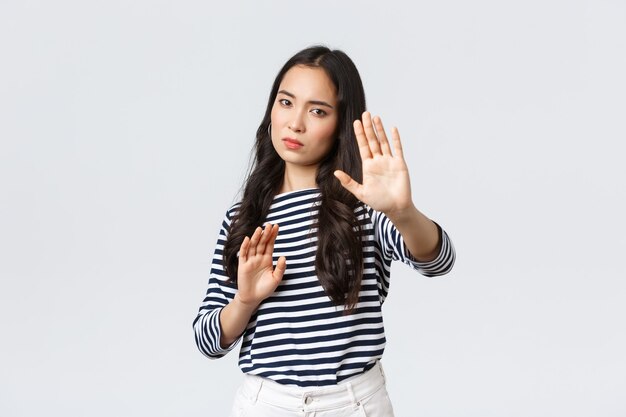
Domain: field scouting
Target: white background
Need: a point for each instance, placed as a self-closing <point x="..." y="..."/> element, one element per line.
<point x="125" y="132"/>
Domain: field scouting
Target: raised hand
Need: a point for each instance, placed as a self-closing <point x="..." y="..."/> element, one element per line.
<point x="257" y="279"/>
<point x="386" y="185"/>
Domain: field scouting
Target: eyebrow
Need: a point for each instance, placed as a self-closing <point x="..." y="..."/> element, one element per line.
<point x="318" y="102"/>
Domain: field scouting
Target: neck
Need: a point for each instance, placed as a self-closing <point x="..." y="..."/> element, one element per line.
<point x="298" y="178"/>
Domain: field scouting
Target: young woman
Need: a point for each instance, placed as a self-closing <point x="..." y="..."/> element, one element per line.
<point x="302" y="263"/>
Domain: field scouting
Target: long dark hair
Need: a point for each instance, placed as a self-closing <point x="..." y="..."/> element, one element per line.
<point x="339" y="258"/>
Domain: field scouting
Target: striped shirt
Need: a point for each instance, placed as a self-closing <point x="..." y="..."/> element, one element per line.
<point x="298" y="336"/>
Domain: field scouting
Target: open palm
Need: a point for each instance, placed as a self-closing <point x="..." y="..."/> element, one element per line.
<point x="257" y="278"/>
<point x="386" y="184"/>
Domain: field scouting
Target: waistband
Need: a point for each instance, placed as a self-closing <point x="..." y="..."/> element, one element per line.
<point x="348" y="392"/>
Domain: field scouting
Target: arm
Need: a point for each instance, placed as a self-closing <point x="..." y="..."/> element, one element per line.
<point x="386" y="188"/>
<point x="256" y="278"/>
<point x="226" y="310"/>
<point x="220" y="292"/>
<point x="393" y="247"/>
<point x="420" y="234"/>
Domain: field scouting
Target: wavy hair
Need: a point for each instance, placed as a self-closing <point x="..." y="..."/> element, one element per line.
<point x="339" y="257"/>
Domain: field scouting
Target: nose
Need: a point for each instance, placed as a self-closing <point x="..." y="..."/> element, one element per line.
<point x="297" y="124"/>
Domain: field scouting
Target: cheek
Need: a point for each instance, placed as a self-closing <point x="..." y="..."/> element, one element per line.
<point x="277" y="116"/>
<point x="275" y="121"/>
<point x="328" y="133"/>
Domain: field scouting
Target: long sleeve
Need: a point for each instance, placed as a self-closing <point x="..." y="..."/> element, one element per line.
<point x="220" y="292"/>
<point x="298" y="336"/>
<point x="393" y="247"/>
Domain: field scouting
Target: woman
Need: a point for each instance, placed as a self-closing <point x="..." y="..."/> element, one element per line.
<point x="302" y="263"/>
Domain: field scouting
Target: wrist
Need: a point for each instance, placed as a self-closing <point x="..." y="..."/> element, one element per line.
<point x="246" y="306"/>
<point x="403" y="215"/>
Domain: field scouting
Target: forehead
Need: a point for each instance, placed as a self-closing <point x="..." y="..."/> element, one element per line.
<point x="308" y="83"/>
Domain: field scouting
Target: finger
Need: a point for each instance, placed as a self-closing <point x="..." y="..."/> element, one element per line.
<point x="370" y="134"/>
<point x="382" y="136"/>
<point x="260" y="248"/>
<point x="279" y="271"/>
<point x="397" y="145"/>
<point x="254" y="241"/>
<point x="243" y="249"/>
<point x="361" y="140"/>
<point x="273" y="233"/>
<point x="348" y="183"/>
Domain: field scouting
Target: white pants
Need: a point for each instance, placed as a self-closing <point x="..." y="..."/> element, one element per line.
<point x="364" y="395"/>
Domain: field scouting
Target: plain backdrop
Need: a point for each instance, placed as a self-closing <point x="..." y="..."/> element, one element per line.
<point x="126" y="129"/>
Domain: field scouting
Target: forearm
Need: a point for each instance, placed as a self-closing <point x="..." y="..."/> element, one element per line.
<point x="420" y="234"/>
<point x="233" y="320"/>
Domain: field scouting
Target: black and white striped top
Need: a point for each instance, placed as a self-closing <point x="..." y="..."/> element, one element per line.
<point x="298" y="336"/>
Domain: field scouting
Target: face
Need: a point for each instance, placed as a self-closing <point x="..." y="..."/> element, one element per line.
<point x="304" y="116"/>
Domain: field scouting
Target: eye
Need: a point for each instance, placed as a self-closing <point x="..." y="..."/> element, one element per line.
<point x="319" y="112"/>
<point x="284" y="102"/>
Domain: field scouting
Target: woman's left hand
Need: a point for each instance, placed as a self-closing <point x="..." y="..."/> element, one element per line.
<point x="386" y="185"/>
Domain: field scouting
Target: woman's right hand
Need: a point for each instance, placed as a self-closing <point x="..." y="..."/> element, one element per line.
<point x="257" y="278"/>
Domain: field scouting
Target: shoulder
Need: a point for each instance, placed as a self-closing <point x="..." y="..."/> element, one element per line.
<point x="229" y="215"/>
<point x="232" y="211"/>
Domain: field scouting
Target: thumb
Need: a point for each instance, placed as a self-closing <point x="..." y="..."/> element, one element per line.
<point x="348" y="183"/>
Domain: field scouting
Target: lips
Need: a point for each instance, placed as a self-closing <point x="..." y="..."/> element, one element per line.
<point x="292" y="143"/>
